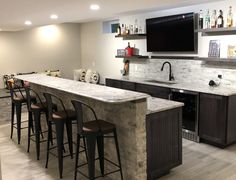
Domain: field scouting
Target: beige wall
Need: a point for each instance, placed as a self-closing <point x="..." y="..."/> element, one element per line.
<point x="38" y="49"/>
<point x="98" y="50"/>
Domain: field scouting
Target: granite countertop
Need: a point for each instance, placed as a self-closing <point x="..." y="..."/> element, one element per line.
<point x="196" y="87"/>
<point x="93" y="91"/>
<point x="157" y="105"/>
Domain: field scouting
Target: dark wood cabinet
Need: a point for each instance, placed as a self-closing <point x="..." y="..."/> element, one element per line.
<point x="128" y="85"/>
<point x="155" y="91"/>
<point x="121" y="84"/>
<point x="113" y="83"/>
<point x="217" y="119"/>
<point x="164" y="142"/>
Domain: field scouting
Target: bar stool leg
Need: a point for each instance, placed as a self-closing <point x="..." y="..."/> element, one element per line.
<point x="48" y="141"/>
<point x="37" y="115"/>
<point x="118" y="153"/>
<point x="100" y="143"/>
<point x="60" y="135"/>
<point x="18" y="119"/>
<point x="12" y="117"/>
<point x="69" y="136"/>
<point x="29" y="129"/>
<point x="77" y="155"/>
<point x="91" y="142"/>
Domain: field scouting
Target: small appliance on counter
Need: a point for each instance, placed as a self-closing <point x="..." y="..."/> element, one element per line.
<point x="215" y="82"/>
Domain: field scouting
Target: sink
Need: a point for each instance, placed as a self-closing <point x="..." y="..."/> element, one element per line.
<point x="160" y="81"/>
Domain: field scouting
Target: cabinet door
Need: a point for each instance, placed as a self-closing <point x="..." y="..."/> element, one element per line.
<point x="155" y="91"/>
<point x="213" y="118"/>
<point x="164" y="142"/>
<point x="113" y="83"/>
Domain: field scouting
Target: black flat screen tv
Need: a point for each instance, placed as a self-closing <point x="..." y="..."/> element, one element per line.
<point x="174" y="34"/>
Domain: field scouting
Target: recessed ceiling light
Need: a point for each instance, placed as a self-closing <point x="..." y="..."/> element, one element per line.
<point x="28" y="23"/>
<point x="94" y="7"/>
<point x="54" y="16"/>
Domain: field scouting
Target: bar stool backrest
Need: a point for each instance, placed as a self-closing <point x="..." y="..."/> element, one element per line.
<point x="53" y="99"/>
<point x="79" y="106"/>
<point x="15" y="90"/>
<point x="29" y="94"/>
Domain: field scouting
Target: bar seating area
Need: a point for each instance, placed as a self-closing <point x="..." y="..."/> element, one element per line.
<point x="57" y="116"/>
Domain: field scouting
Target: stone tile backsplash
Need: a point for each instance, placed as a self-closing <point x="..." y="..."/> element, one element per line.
<point x="189" y="71"/>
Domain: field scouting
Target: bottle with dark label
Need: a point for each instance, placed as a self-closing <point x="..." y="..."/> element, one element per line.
<point x="230" y="17"/>
<point x="200" y="22"/>
<point x="122" y="29"/>
<point x="220" y="20"/>
<point x="213" y="19"/>
<point x="207" y="20"/>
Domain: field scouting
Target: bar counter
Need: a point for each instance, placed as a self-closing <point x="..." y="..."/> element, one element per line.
<point x="127" y="109"/>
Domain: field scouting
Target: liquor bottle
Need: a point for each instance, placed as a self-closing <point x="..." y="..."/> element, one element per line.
<point x="119" y="30"/>
<point x="126" y="29"/>
<point x="207" y="20"/>
<point x="230" y="17"/>
<point x="220" y="20"/>
<point x="213" y="19"/>
<point x="136" y="27"/>
<point x="131" y="29"/>
<point x="128" y="50"/>
<point x="122" y="29"/>
<point x="200" y="20"/>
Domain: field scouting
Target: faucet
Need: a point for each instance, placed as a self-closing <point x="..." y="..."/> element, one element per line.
<point x="171" y="77"/>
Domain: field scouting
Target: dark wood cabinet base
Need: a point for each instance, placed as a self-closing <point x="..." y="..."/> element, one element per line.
<point x="164" y="142"/>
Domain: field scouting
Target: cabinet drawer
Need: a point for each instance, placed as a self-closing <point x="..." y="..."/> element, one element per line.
<point x="128" y="85"/>
<point x="155" y="91"/>
<point x="113" y="83"/>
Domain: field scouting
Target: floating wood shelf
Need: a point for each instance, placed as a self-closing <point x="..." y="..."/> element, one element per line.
<point x="133" y="57"/>
<point x="131" y="36"/>
<point x="217" y="31"/>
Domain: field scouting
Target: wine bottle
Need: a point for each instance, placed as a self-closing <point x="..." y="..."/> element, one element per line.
<point x="220" y="20"/>
<point x="213" y="19"/>
<point x="200" y="23"/>
<point x="230" y="17"/>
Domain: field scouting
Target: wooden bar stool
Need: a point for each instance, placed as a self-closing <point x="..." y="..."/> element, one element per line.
<point x="18" y="98"/>
<point x="59" y="118"/>
<point x="92" y="131"/>
<point x="37" y="108"/>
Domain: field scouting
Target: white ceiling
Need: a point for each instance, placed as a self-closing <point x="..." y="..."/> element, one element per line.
<point x="13" y="13"/>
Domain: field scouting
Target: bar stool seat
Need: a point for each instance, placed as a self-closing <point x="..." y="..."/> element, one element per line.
<point x="99" y="126"/>
<point x="67" y="114"/>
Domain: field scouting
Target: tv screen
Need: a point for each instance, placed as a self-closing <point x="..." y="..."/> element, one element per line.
<point x="172" y="34"/>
